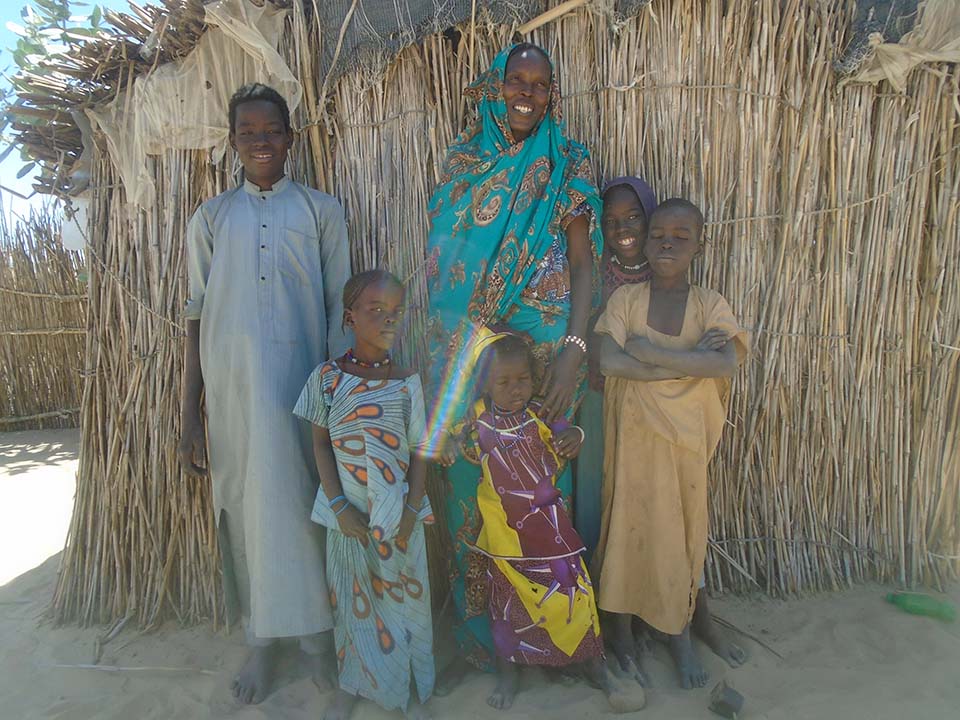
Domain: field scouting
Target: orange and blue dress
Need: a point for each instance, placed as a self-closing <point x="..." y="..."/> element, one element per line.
<point x="379" y="586"/>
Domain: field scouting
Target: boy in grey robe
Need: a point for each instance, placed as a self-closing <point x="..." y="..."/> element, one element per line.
<point x="267" y="264"/>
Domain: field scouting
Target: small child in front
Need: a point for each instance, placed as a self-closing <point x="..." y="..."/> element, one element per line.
<point x="368" y="425"/>
<point x="540" y="596"/>
<point x="668" y="351"/>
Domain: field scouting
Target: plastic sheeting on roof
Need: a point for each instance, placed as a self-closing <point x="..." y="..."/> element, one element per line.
<point x="184" y="104"/>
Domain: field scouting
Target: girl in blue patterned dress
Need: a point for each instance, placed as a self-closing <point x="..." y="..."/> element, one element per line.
<point x="368" y="426"/>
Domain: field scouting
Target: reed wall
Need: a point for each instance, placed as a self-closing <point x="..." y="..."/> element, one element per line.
<point x="42" y="323"/>
<point x="832" y="232"/>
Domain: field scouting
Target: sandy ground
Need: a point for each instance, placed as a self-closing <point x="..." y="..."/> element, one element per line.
<point x="848" y="656"/>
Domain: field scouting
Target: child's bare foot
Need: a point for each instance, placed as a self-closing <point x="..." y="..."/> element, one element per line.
<point x="716" y="639"/>
<point x="623" y="698"/>
<point x="565" y="675"/>
<point x="416" y="711"/>
<point x="255" y="680"/>
<point x="323" y="670"/>
<point x="625" y="650"/>
<point x="341" y="706"/>
<point x="451" y="676"/>
<point x="506" y="690"/>
<point x="692" y="673"/>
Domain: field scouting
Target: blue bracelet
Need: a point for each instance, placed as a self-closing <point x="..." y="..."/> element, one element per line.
<point x="337" y="499"/>
<point x="345" y="506"/>
<point x="412" y="509"/>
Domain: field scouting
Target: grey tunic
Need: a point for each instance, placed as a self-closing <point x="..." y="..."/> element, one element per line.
<point x="266" y="271"/>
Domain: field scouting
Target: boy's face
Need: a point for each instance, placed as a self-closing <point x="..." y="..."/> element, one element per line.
<point x="624" y="224"/>
<point x="673" y="240"/>
<point x="261" y="141"/>
<point x="510" y="384"/>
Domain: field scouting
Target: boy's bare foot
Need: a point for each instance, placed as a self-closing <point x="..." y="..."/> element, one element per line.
<point x="451" y="676"/>
<point x="341" y="706"/>
<point x="506" y="690"/>
<point x="255" y="680"/>
<point x="623" y="698"/>
<point x="323" y="670"/>
<point x="692" y="673"/>
<point x="625" y="650"/>
<point x="716" y="639"/>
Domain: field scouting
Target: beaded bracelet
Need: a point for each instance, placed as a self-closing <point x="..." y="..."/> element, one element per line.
<point x="337" y="499"/>
<point x="575" y="340"/>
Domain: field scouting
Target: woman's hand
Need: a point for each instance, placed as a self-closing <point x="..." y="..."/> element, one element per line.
<point x="407" y="521"/>
<point x="713" y="339"/>
<point x="560" y="383"/>
<point x="192" y="450"/>
<point x="567" y="442"/>
<point x="352" y="522"/>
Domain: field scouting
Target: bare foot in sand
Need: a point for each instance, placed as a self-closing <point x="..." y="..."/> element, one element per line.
<point x="341" y="706"/>
<point x="451" y="676"/>
<point x="416" y="711"/>
<point x="624" y="649"/>
<point x="255" y="680"/>
<point x="706" y="629"/>
<point x="506" y="690"/>
<point x="323" y="670"/>
<point x="689" y="667"/>
<point x="565" y="675"/>
<point x="623" y="698"/>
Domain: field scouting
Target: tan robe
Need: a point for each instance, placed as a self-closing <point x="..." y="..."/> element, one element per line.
<point x="659" y="438"/>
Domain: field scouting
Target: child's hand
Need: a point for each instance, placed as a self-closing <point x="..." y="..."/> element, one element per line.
<point x="407" y="521"/>
<point x="448" y="453"/>
<point x="637" y="346"/>
<point x="713" y="339"/>
<point x="353" y="523"/>
<point x="567" y="442"/>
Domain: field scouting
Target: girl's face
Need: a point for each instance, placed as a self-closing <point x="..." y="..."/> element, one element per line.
<point x="376" y="316"/>
<point x="510" y="383"/>
<point x="624" y="224"/>
<point x="526" y="91"/>
<point x="261" y="141"/>
<point x="673" y="240"/>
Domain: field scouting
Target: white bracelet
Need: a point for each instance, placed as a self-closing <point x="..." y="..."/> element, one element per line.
<point x="583" y="435"/>
<point x="578" y="341"/>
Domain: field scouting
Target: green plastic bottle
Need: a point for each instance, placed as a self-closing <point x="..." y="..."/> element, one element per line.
<point x="920" y="604"/>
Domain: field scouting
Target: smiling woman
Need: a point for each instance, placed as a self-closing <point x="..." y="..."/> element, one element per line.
<point x="514" y="241"/>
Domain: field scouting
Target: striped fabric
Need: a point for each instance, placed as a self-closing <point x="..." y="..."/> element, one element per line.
<point x="379" y="588"/>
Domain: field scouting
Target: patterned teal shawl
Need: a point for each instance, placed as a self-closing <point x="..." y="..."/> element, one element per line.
<point x="499" y="208"/>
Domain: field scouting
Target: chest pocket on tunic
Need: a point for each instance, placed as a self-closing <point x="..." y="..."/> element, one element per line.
<point x="297" y="263"/>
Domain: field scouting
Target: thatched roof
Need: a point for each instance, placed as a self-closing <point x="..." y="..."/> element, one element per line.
<point x="130" y="44"/>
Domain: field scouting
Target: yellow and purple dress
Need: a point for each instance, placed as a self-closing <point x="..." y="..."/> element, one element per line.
<point x="542" y="608"/>
<point x="379" y="586"/>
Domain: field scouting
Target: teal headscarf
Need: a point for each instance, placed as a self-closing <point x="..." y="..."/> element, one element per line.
<point x="499" y="208"/>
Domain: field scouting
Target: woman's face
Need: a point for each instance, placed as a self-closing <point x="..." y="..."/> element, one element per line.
<point x="526" y="91"/>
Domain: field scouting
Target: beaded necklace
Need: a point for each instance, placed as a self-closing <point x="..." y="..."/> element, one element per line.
<point x="352" y="358"/>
